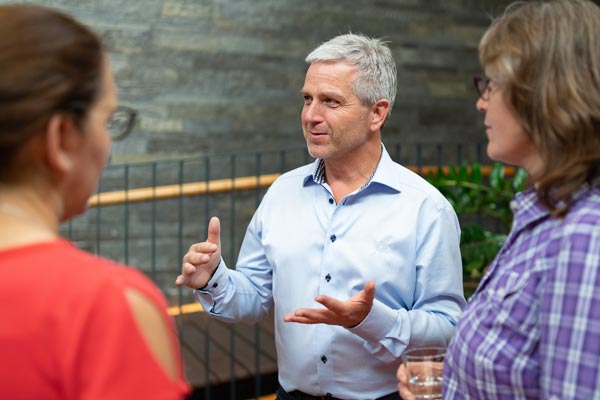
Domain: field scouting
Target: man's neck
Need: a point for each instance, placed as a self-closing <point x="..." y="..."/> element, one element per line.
<point x="348" y="175"/>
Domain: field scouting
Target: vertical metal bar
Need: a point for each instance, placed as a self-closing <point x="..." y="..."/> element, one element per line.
<point x="153" y="221"/>
<point x="180" y="207"/>
<point x="459" y="155"/>
<point x="419" y="158"/>
<point x="98" y="219"/>
<point x="70" y="229"/>
<point x="282" y="161"/>
<point x="258" y="172"/>
<point x="206" y="196"/>
<point x="126" y="219"/>
<point x="207" y="335"/>
<point x="232" y="208"/>
<point x="180" y="229"/>
<point x="257" y="375"/>
<point x="232" y="382"/>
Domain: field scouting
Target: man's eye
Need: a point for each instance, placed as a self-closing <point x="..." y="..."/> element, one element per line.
<point x="331" y="102"/>
<point x="307" y="99"/>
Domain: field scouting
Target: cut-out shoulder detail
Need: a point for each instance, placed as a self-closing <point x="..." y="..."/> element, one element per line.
<point x="155" y="330"/>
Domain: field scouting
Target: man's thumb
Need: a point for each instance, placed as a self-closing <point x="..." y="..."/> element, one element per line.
<point x="370" y="290"/>
<point x="214" y="231"/>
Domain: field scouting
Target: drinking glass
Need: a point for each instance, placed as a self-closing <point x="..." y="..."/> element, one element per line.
<point x="424" y="367"/>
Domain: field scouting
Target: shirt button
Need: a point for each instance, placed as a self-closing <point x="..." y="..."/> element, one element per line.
<point x="215" y="285"/>
<point x="332" y="237"/>
<point x="330" y="200"/>
<point x="323" y="359"/>
<point x="327" y="277"/>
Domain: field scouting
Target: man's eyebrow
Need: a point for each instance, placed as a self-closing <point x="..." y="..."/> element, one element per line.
<point x="333" y="95"/>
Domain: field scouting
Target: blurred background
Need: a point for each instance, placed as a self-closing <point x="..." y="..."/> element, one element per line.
<point x="224" y="75"/>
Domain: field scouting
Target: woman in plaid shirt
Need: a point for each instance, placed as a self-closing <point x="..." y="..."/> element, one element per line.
<point x="532" y="328"/>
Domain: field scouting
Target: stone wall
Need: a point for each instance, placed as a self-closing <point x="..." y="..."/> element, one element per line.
<point x="222" y="75"/>
<point x="216" y="76"/>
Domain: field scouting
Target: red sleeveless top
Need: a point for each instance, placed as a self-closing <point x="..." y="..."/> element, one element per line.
<point x="67" y="331"/>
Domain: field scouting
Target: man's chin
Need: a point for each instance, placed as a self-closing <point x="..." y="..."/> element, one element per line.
<point x="316" y="151"/>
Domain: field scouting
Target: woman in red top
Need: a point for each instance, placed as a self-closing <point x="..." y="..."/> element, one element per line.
<point x="111" y="337"/>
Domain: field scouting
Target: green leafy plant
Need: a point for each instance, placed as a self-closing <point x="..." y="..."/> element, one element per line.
<point x="482" y="202"/>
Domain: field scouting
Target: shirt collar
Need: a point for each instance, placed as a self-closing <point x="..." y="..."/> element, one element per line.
<point x="384" y="172"/>
<point x="527" y="208"/>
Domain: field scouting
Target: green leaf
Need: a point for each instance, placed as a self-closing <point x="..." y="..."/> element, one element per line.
<point x="518" y="180"/>
<point x="497" y="176"/>
<point x="476" y="174"/>
<point x="452" y="173"/>
<point x="489" y="199"/>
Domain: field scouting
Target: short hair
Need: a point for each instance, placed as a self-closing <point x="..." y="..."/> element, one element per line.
<point x="48" y="61"/>
<point x="545" y="57"/>
<point x="376" y="69"/>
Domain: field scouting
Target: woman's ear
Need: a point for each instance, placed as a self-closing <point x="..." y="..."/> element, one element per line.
<point x="379" y="113"/>
<point x="62" y="143"/>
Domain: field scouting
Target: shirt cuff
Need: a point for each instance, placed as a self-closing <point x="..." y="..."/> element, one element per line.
<point x="206" y="295"/>
<point x="378" y="324"/>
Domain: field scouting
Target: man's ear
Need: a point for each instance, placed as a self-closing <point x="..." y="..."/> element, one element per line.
<point x="379" y="112"/>
<point x="61" y="143"/>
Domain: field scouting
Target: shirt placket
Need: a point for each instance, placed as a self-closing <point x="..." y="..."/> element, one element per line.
<point x="327" y="214"/>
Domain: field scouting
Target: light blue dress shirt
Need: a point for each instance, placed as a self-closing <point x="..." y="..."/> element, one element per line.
<point x="397" y="230"/>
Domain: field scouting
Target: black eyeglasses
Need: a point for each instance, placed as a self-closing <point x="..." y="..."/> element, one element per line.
<point x="121" y="122"/>
<point x="482" y="85"/>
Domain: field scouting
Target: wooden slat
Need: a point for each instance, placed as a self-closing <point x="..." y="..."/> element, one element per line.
<point x="189" y="308"/>
<point x="268" y="397"/>
<point x="221" y="186"/>
<point x="177" y="190"/>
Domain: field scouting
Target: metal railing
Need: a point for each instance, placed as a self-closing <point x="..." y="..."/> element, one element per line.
<point x="147" y="215"/>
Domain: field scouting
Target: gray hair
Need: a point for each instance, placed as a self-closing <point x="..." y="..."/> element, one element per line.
<point x="376" y="77"/>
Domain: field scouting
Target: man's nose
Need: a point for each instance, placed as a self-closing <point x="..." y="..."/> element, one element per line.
<point x="312" y="112"/>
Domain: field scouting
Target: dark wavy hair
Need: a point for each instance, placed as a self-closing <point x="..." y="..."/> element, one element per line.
<point x="48" y="63"/>
<point x="545" y="57"/>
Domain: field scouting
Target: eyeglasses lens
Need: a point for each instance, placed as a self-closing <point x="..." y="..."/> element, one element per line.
<point x="121" y="122"/>
<point x="482" y="84"/>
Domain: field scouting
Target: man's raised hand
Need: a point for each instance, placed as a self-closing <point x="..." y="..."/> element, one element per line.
<point x="202" y="259"/>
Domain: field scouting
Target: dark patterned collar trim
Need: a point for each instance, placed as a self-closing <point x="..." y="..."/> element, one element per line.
<point x="319" y="175"/>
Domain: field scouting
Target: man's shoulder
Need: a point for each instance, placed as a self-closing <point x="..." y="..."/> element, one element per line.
<point x="294" y="176"/>
<point x="288" y="186"/>
<point x="412" y="184"/>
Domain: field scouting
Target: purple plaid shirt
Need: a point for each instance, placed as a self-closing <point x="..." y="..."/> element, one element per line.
<point x="532" y="328"/>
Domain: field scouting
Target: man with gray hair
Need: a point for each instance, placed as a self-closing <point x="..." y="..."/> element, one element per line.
<point x="358" y="255"/>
